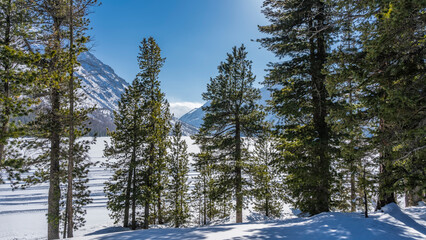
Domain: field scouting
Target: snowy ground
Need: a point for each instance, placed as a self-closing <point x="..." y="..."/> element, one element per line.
<point x="392" y="225"/>
<point x="22" y="216"/>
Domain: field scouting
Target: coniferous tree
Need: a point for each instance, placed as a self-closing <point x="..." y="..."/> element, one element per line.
<point x="232" y="114"/>
<point x="51" y="127"/>
<point x="300" y="34"/>
<point x="125" y="155"/>
<point x="392" y="36"/>
<point x="178" y="171"/>
<point x="347" y="115"/>
<point x="17" y="77"/>
<point x="50" y="122"/>
<point x="267" y="188"/>
<point x="156" y="127"/>
<point x="76" y="120"/>
<point x="203" y="194"/>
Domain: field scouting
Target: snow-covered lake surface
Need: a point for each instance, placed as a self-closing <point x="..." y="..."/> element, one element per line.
<point x="22" y="216"/>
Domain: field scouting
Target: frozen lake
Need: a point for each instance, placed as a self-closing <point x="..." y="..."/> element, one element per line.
<point x="23" y="212"/>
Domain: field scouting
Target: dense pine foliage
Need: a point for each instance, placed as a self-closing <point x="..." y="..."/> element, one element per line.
<point x="140" y="144"/>
<point x="232" y="114"/>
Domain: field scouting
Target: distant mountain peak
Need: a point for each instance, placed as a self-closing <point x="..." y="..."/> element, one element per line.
<point x="101" y="84"/>
<point x="195" y="116"/>
<point x="103" y="88"/>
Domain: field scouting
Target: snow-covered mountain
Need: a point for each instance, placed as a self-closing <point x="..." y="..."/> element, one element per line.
<point x="187" y="129"/>
<point x="195" y="116"/>
<point x="102" y="85"/>
<point x="103" y="89"/>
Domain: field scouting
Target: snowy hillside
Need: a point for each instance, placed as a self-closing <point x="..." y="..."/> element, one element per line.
<point x="187" y="129"/>
<point x="103" y="88"/>
<point x="101" y="84"/>
<point x="393" y="224"/>
<point x="195" y="116"/>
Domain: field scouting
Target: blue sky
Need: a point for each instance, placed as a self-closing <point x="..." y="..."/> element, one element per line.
<point x="194" y="36"/>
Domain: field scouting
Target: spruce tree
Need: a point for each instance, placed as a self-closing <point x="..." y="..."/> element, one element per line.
<point x="125" y="155"/>
<point x="267" y="188"/>
<point x="156" y="126"/>
<point x="347" y="115"/>
<point x="52" y="125"/>
<point x="232" y="114"/>
<point x="203" y="197"/>
<point x="178" y="172"/>
<point x="300" y="35"/>
<point x="18" y="75"/>
<point x="392" y="36"/>
<point x="54" y="16"/>
<point x="77" y="117"/>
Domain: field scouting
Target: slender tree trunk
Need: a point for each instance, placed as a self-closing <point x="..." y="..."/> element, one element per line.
<point x="5" y="115"/>
<point x="134" y="200"/>
<point x="146" y="219"/>
<point x="176" y="210"/>
<point x="149" y="186"/>
<point x="127" y="200"/>
<point x="53" y="210"/>
<point x="238" y="170"/>
<point x="365" y="194"/>
<point x="351" y="160"/>
<point x="353" y="190"/>
<point x="64" y="235"/>
<point x="319" y="102"/>
<point x="69" y="208"/>
<point x="386" y="195"/>
<point x="160" y="209"/>
<point x="128" y="191"/>
<point x="267" y="207"/>
<point x="54" y="189"/>
<point x="205" y="203"/>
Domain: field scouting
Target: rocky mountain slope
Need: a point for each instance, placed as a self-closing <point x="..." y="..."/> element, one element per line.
<point x="103" y="88"/>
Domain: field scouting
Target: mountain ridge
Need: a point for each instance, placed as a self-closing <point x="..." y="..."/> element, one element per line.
<point x="103" y="88"/>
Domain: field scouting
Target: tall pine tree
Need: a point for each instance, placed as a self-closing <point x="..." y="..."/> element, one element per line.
<point x="232" y="114"/>
<point x="18" y="75"/>
<point x="156" y="127"/>
<point x="393" y="39"/>
<point x="125" y="155"/>
<point x="267" y="188"/>
<point x="300" y="35"/>
<point x="178" y="167"/>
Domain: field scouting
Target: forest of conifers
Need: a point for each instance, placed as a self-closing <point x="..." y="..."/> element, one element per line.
<point x="348" y="96"/>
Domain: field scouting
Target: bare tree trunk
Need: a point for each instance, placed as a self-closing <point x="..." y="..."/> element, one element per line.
<point x="54" y="189"/>
<point x="69" y="207"/>
<point x="238" y="170"/>
<point x="385" y="176"/>
<point x="160" y="209"/>
<point x="134" y="200"/>
<point x="146" y="217"/>
<point x="130" y="179"/>
<point x="267" y="207"/>
<point x="53" y="211"/>
<point x="353" y="190"/>
<point x="365" y="194"/>
<point x="205" y="203"/>
<point x="149" y="186"/>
